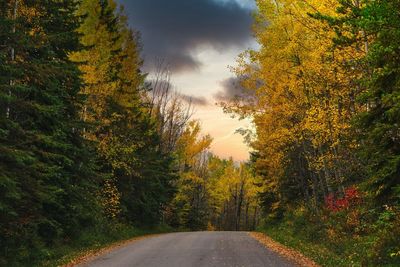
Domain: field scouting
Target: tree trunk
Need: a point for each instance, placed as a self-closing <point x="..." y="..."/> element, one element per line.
<point x="12" y="54"/>
<point x="255" y="218"/>
<point x="247" y="215"/>
<point x="239" y="206"/>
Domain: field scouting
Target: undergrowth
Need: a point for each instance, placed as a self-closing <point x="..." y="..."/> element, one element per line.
<point x="355" y="237"/>
<point x="91" y="240"/>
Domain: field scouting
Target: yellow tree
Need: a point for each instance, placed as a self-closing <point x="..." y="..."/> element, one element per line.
<point x="189" y="206"/>
<point x="116" y="109"/>
<point x="303" y="99"/>
<point x="233" y="195"/>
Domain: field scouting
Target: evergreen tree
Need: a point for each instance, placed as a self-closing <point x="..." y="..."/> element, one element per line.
<point x="380" y="122"/>
<point x="373" y="27"/>
<point x="46" y="174"/>
<point x="125" y="134"/>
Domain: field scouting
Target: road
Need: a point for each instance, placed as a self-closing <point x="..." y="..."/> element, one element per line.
<point x="194" y="249"/>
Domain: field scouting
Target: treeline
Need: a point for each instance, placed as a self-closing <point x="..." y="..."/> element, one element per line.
<point x="324" y="93"/>
<point x="88" y="145"/>
<point x="212" y="193"/>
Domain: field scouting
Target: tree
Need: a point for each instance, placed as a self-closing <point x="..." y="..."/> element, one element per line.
<point x="303" y="104"/>
<point x="374" y="26"/>
<point x="48" y="178"/>
<point x="189" y="207"/>
<point x="168" y="107"/>
<point x="233" y="195"/>
<point x="122" y="128"/>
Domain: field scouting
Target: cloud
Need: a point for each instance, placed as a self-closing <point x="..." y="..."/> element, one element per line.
<point x="195" y="100"/>
<point x="232" y="89"/>
<point x="174" y="29"/>
<point x="161" y="86"/>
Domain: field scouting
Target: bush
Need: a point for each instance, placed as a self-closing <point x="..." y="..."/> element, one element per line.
<point x="353" y="236"/>
<point x="386" y="245"/>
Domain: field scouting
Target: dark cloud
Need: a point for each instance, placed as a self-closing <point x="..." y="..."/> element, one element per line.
<point x="162" y="86"/>
<point x="195" y="100"/>
<point x="173" y="29"/>
<point x="233" y="89"/>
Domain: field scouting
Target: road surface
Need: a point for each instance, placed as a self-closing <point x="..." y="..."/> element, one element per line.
<point x="194" y="249"/>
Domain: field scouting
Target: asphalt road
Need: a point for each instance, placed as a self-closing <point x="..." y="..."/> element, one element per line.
<point x="194" y="249"/>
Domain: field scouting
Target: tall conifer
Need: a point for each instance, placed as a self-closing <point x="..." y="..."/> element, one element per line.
<point x="46" y="177"/>
<point x="116" y="107"/>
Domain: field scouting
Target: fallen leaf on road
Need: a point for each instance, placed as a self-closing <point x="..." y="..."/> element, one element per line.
<point x="286" y="252"/>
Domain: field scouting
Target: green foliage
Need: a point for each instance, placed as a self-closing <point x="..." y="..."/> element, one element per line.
<point x="86" y="151"/>
<point x="123" y="130"/>
<point x="213" y="193"/>
<point x="326" y="87"/>
<point x="48" y="177"/>
<point x="189" y="207"/>
<point x="95" y="239"/>
<point x="380" y="123"/>
<point x="79" y="150"/>
<point x="374" y="27"/>
<point x="358" y="237"/>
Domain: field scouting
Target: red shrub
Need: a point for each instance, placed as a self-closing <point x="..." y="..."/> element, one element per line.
<point x="350" y="198"/>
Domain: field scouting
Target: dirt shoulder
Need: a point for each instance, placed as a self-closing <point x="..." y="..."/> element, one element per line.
<point x="286" y="252"/>
<point x="89" y="255"/>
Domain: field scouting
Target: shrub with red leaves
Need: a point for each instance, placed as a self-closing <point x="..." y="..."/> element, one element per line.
<point x="350" y="198"/>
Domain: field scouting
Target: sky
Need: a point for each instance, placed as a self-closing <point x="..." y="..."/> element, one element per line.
<point x="199" y="39"/>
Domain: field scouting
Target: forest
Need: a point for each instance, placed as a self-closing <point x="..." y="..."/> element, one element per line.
<point x="323" y="93"/>
<point x="90" y="146"/>
<point x="95" y="150"/>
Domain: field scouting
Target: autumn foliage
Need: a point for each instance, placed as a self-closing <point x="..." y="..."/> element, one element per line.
<point x="349" y="199"/>
<point x="90" y="146"/>
<point x="323" y="96"/>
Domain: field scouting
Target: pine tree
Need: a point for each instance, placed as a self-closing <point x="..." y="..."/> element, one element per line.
<point x="373" y="28"/>
<point x="380" y="122"/>
<point x="47" y="177"/>
<point x="122" y="129"/>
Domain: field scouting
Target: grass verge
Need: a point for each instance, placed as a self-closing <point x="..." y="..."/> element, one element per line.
<point x="332" y="241"/>
<point x="95" y="242"/>
<point x="288" y="253"/>
<point x="321" y="253"/>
